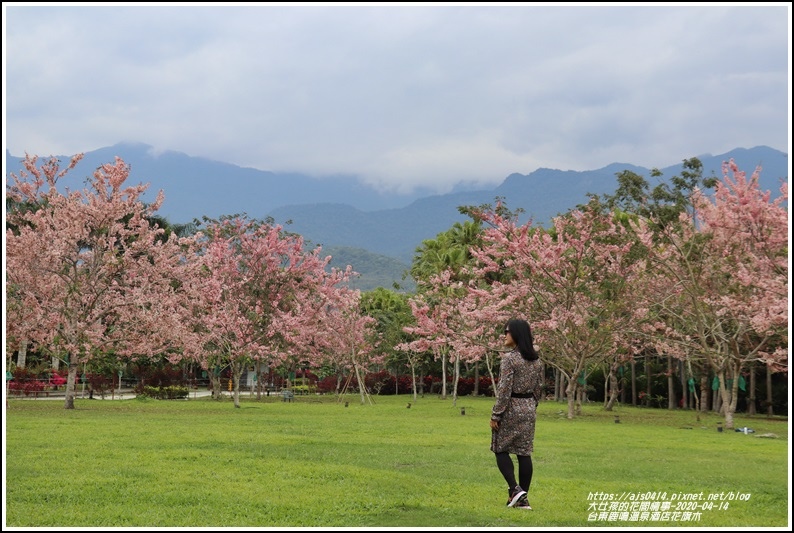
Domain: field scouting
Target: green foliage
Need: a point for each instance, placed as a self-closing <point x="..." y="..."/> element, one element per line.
<point x="450" y="250"/>
<point x="666" y="200"/>
<point x="321" y="462"/>
<point x="392" y="312"/>
<point x="171" y="392"/>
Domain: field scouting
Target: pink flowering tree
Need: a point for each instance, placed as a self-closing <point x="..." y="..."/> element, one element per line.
<point x="439" y="268"/>
<point x="264" y="290"/>
<point x="88" y="275"/>
<point x="425" y="340"/>
<point x="457" y="321"/>
<point x="344" y="337"/>
<point x="572" y="282"/>
<point x="718" y="282"/>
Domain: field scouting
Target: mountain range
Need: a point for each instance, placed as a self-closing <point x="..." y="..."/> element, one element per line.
<point x="353" y="221"/>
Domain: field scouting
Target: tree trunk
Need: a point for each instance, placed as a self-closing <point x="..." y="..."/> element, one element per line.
<point x="580" y="392"/>
<point x="362" y="386"/>
<point x="751" y="399"/>
<point x="729" y="396"/>
<point x="217" y="393"/>
<point x="648" y="381"/>
<point x="633" y="382"/>
<point x="607" y="377"/>
<point x="769" y="409"/>
<point x="476" y="378"/>
<point x="564" y="382"/>
<point x="237" y="372"/>
<point x="670" y="384"/>
<point x="704" y="392"/>
<point x="716" y="397"/>
<point x="456" y="379"/>
<point x="557" y="390"/>
<point x="443" y="374"/>
<point x="489" y="367"/>
<point x="570" y="391"/>
<point x="258" y="379"/>
<point x="70" y="381"/>
<point x="684" y="388"/>
<point x="413" y="379"/>
<point x="613" y="394"/>
<point x="22" y="354"/>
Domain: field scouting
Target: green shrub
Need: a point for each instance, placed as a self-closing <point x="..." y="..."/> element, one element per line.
<point x="171" y="392"/>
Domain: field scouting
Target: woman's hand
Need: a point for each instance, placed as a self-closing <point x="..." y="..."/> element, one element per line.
<point x="494" y="425"/>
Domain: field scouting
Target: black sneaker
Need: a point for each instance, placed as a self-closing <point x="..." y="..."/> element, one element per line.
<point x="523" y="503"/>
<point x="516" y="495"/>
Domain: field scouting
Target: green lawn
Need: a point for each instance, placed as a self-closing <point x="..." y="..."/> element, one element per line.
<point x="316" y="463"/>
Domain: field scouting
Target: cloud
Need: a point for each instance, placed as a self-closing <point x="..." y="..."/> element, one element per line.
<point x="400" y="95"/>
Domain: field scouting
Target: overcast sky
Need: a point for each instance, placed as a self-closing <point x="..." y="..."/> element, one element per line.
<point x="400" y="95"/>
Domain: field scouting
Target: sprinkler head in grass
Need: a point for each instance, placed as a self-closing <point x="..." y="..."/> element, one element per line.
<point x="617" y="419"/>
<point x="408" y="406"/>
<point x="462" y="410"/>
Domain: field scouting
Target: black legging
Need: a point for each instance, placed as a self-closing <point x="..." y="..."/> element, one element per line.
<point x="505" y="464"/>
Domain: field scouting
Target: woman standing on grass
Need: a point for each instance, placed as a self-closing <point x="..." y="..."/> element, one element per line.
<point x="513" y="415"/>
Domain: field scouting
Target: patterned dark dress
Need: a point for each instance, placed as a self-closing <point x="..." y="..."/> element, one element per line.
<point x="516" y="416"/>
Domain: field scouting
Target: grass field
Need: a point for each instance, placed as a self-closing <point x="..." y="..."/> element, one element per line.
<point x="315" y="463"/>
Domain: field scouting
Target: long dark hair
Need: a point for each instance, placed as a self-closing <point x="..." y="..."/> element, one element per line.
<point x="522" y="335"/>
